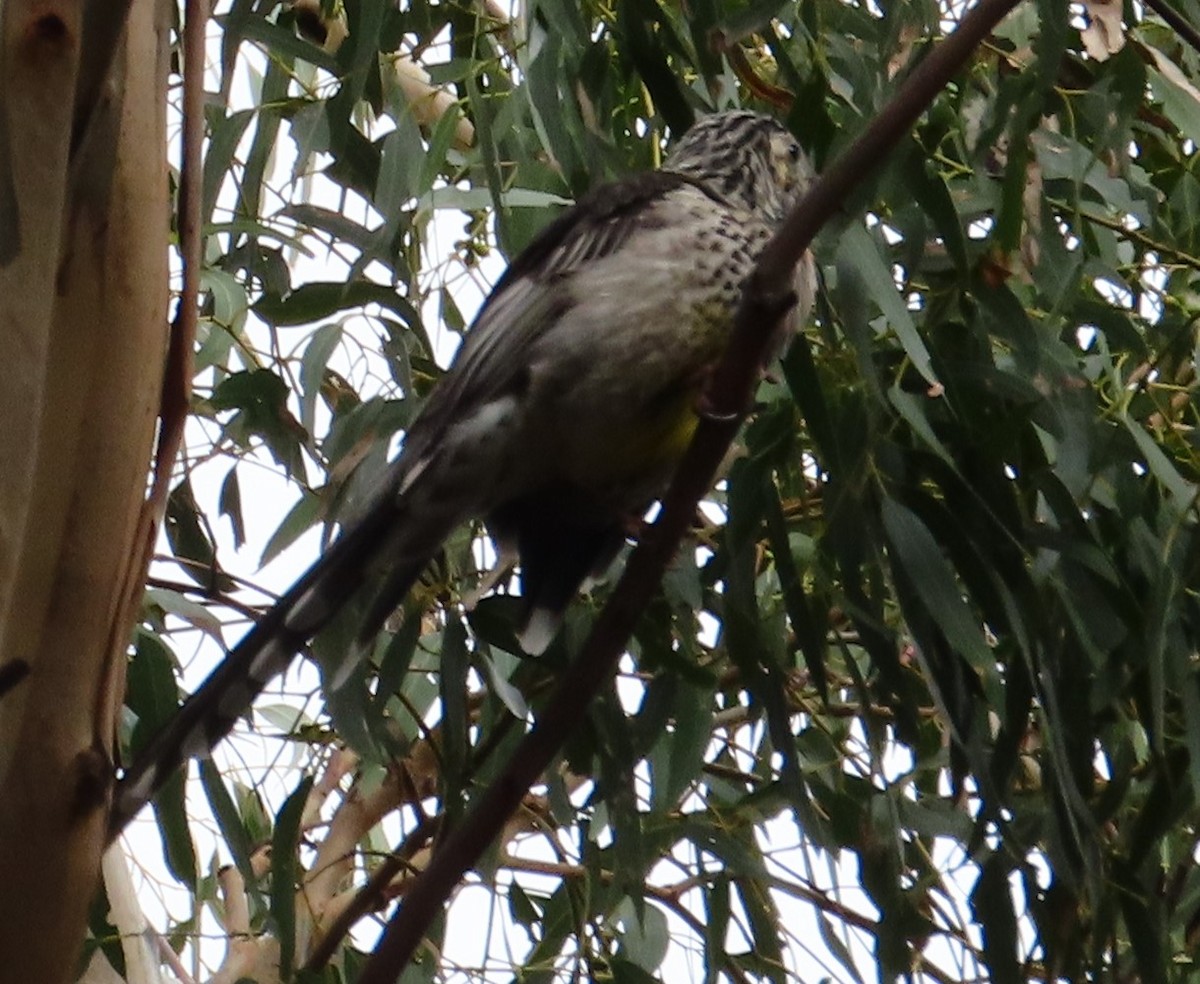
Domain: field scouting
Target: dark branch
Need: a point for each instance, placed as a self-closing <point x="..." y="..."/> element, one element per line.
<point x="177" y="380"/>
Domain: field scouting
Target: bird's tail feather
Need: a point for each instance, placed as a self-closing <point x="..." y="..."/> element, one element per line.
<point x="381" y="539"/>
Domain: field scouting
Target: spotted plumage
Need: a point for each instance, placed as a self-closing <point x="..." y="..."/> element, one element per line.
<point x="563" y="416"/>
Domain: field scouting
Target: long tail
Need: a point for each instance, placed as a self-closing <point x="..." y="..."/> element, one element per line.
<point x="384" y="546"/>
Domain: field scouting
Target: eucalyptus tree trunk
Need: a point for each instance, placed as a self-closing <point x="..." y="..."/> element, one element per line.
<point x="83" y="296"/>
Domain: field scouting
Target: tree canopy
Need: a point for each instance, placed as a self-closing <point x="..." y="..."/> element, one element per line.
<point x="918" y="696"/>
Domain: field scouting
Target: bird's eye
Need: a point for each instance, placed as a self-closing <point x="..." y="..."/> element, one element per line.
<point x="794" y="151"/>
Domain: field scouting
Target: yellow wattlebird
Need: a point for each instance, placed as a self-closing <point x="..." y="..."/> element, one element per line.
<point x="563" y="416"/>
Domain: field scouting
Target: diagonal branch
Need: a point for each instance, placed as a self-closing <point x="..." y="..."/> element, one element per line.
<point x="766" y="300"/>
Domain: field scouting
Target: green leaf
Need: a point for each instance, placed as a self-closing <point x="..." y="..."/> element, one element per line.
<point x="174" y="603"/>
<point x="1178" y="96"/>
<point x="717" y="909"/>
<point x="804" y="624"/>
<point x="688" y="743"/>
<point x="190" y="540"/>
<point x="1143" y="918"/>
<point x="912" y="408"/>
<point x="317" y="300"/>
<point x="151" y="690"/>
<point x="272" y="94"/>
<point x="338" y="228"/>
<point x="1182" y="492"/>
<point x="559" y="919"/>
<point x="857" y="249"/>
<point x="258" y="399"/>
<point x="285" y="842"/>
<point x="236" y="838"/>
<point x="764" y="927"/>
<point x="104" y="934"/>
<point x="838" y="947"/>
<point x="643" y="938"/>
<point x="472" y="199"/>
<point x="170" y="810"/>
<point x="299" y="520"/>
<point x="625" y="972"/>
<point x="225" y="133"/>
<point x="440" y="141"/>
<point x="455" y="722"/>
<point x="554" y="116"/>
<point x="286" y="44"/>
<point x="915" y="549"/>
<point x="230" y="506"/>
<point x="312" y="371"/>
<point x="991" y="902"/>
<point x="752" y="17"/>
<point x="933" y="195"/>
<point x="645" y="49"/>
<point x="401" y="161"/>
<point x="525" y="912"/>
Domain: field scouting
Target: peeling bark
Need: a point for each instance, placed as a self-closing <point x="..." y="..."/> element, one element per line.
<point x="83" y="294"/>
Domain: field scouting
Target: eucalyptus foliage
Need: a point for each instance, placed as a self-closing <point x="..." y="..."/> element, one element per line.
<point x="921" y="695"/>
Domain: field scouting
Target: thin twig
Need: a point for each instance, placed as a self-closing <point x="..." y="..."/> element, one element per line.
<point x="200" y="567"/>
<point x="1122" y="231"/>
<point x="768" y="92"/>
<point x="177" y="382"/>
<point x="169" y="957"/>
<point x="217" y="597"/>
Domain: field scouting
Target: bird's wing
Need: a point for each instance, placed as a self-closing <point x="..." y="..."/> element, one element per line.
<point x="390" y="543"/>
<point x="525" y="303"/>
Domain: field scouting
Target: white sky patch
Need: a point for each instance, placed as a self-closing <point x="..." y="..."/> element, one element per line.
<point x="980" y="228"/>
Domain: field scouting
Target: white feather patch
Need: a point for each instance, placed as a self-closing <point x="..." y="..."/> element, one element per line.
<point x="539" y="631"/>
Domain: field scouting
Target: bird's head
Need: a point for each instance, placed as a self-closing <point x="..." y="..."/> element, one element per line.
<point x="749" y="159"/>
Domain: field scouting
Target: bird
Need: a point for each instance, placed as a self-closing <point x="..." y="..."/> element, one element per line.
<point x="561" y="419"/>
